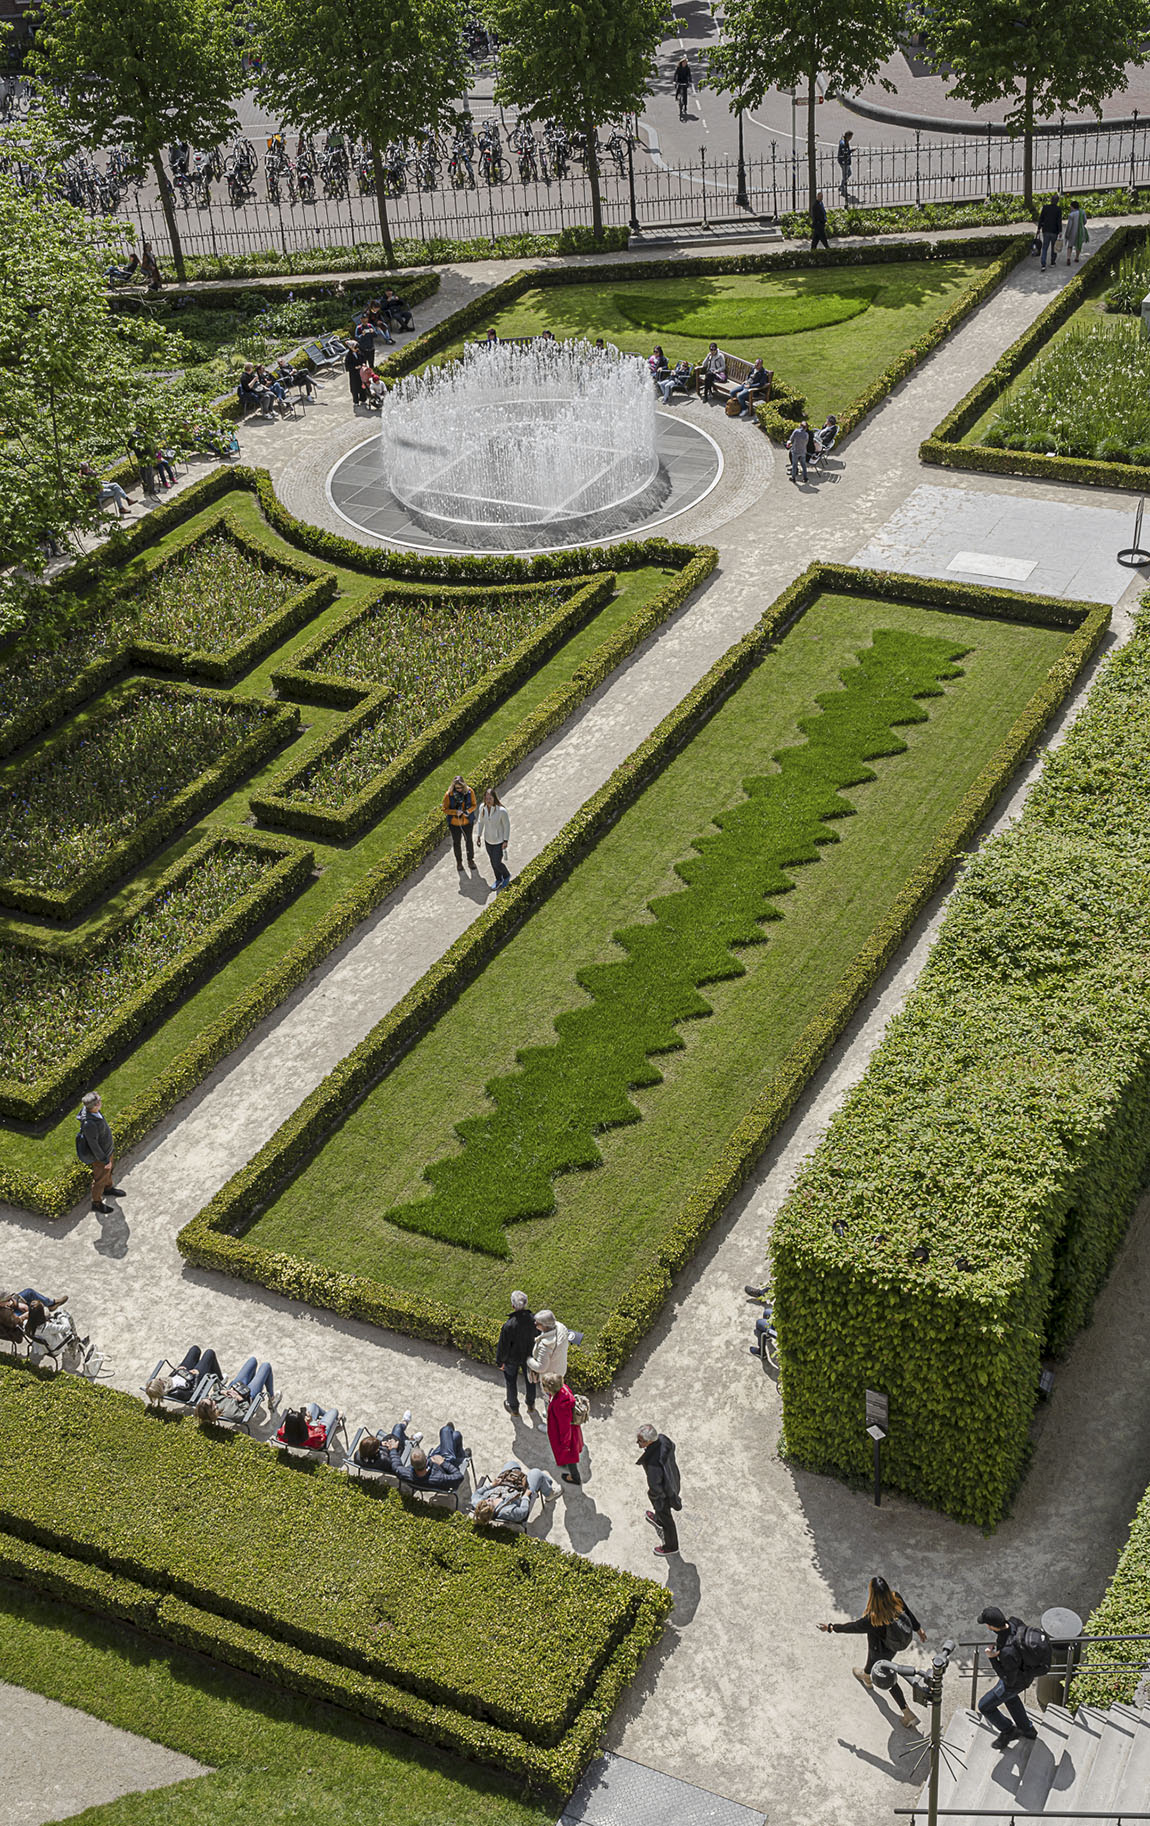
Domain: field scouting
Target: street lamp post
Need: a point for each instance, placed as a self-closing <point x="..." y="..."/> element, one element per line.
<point x="742" y="200"/>
<point x="794" y="154"/>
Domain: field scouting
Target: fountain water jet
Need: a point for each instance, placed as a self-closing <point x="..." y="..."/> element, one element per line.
<point x="526" y="446"/>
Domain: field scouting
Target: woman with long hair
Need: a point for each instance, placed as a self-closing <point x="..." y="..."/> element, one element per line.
<point x="494" y="827"/>
<point x="888" y="1623"/>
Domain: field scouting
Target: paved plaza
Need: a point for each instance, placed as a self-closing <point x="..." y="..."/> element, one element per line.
<point x="743" y="1699"/>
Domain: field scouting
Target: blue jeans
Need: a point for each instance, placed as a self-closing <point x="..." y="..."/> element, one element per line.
<point x="111" y="491"/>
<point x="1048" y="241"/>
<point x="451" y="1443"/>
<point x="798" y="460"/>
<point x="511" y="1375"/>
<point x="495" y="857"/>
<point x="254" y="1380"/>
<point x="991" y="1704"/>
<point x="28" y="1294"/>
<point x="327" y="1419"/>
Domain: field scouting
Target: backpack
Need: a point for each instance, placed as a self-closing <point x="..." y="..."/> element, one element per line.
<point x="580" y="1410"/>
<point x="1032" y="1646"/>
<point x="898" y="1634"/>
<point x="83" y="1152"/>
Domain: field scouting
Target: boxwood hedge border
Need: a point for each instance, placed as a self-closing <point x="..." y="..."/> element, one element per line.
<point x="283" y="805"/>
<point x="1111" y="1676"/>
<point x="289" y="867"/>
<point x="215" y="1238"/>
<point x="945" y="447"/>
<point x="277" y="724"/>
<point x="53" y="1196"/>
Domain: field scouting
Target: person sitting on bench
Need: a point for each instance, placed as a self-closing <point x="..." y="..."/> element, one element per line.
<point x="757" y="381"/>
<point x="711" y="370"/>
<point x="508" y="1497"/>
<point x="397" y="311"/>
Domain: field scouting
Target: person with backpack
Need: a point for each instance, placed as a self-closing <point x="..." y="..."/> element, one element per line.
<point x="662" y="1471"/>
<point x="1021" y="1652"/>
<point x="459" y="808"/>
<point x="682" y="84"/>
<point x="889" y="1625"/>
<point x="95" y="1147"/>
<point x="567" y="1414"/>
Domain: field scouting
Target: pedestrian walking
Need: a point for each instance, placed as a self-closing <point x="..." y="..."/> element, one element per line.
<point x="798" y="444"/>
<point x="1077" y="234"/>
<point x="1020" y="1653"/>
<point x="682" y="84"/>
<point x="565" y="1415"/>
<point x="845" y="155"/>
<point x="459" y="807"/>
<point x="889" y="1625"/>
<point x="96" y="1148"/>
<point x="516" y="1343"/>
<point x="494" y="827"/>
<point x="1049" y="229"/>
<point x="657" y="1458"/>
<point x="549" y="1357"/>
<point x="353" y="362"/>
<point x="819" y="223"/>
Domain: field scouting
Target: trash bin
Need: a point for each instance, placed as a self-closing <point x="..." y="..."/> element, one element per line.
<point x="1064" y="1627"/>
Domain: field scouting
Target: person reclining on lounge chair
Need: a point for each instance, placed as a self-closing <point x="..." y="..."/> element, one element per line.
<point x="442" y="1470"/>
<point x="309" y="1428"/>
<point x="823" y="440"/>
<point x="234" y="1401"/>
<point x="52" y="1330"/>
<point x="396" y="311"/>
<point x="296" y="377"/>
<point x="186" y="1377"/>
<point x="508" y="1496"/>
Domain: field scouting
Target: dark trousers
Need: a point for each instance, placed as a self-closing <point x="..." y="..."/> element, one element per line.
<point x="461" y="833"/>
<point x="991" y="1704"/>
<point x="511" y="1375"/>
<point x="820" y="234"/>
<point x="877" y="1651"/>
<point x="202" y="1362"/>
<point x="665" y="1522"/>
<point x="495" y="855"/>
<point x="356" y="386"/>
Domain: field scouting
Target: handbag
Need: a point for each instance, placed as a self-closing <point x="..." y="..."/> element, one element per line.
<point x="580" y="1410"/>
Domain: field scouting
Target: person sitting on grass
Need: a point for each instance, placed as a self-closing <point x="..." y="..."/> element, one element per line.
<point x="507" y="1497"/>
<point x="310" y="1428"/>
<point x="678" y="380"/>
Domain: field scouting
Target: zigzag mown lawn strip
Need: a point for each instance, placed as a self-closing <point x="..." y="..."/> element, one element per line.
<point x="608" y="1221"/>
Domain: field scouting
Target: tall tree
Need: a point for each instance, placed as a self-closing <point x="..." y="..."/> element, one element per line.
<point x="1046" y="57"/>
<point x="580" y="62"/>
<point x="140" y="73"/>
<point x="782" y="44"/>
<point x="374" y="73"/>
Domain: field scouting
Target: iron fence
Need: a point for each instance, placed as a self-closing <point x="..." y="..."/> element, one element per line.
<point x="655" y="193"/>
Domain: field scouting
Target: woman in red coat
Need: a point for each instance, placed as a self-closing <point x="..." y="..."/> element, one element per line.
<point x="566" y="1438"/>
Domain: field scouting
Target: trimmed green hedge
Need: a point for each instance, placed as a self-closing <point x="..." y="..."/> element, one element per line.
<point x="320" y="1583"/>
<point x="1003" y="1128"/>
<point x="54" y="1196"/>
<point x="275" y="724"/>
<point x="282" y="805"/>
<point x="778" y="422"/>
<point x="289" y="867"/>
<point x="215" y="1237"/>
<point x="1124" y="1611"/>
<point x="944" y="446"/>
<point x="370" y="257"/>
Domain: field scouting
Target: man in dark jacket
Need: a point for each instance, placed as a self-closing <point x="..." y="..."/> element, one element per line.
<point x="1013" y="1680"/>
<point x="1050" y="227"/>
<point x="658" y="1461"/>
<point x="95" y="1147"/>
<point x="819" y="223"/>
<point x="516" y="1344"/>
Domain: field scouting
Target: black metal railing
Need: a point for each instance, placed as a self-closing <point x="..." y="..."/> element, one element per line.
<point x="1069" y="1669"/>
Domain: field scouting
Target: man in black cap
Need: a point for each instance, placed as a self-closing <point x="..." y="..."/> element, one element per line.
<point x="1013" y="1680"/>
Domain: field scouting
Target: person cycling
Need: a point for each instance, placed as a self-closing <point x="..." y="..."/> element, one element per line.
<point x="682" y="84"/>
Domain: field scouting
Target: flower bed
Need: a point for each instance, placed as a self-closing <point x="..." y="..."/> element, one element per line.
<point x="620" y="1231"/>
<point x="68" y="1006"/>
<point x="211" y="595"/>
<point x="963" y="1209"/>
<point x="318" y="1582"/>
<point x="104" y="794"/>
<point x="1087" y="396"/>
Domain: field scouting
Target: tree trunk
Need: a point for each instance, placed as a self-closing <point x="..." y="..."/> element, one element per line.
<point x="1028" y="140"/>
<point x="593" y="174"/>
<point x="812" y="180"/>
<point x="381" y="200"/>
<point x="170" y="219"/>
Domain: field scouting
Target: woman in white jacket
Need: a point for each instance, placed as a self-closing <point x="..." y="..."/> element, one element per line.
<point x="550" y="1358"/>
<point x="495" y="830"/>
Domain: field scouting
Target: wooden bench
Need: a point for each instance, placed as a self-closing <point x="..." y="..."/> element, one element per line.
<point x="738" y="371"/>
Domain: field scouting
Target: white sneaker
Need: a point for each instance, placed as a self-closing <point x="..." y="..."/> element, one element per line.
<point x="407" y="1418"/>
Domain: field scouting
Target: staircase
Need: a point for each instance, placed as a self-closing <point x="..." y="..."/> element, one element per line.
<point x="1086" y="1762"/>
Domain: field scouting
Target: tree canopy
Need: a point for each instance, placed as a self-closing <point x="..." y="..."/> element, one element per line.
<point x="1049" y="56"/>
<point x="378" y="73"/>
<point x="580" y="62"/>
<point x="785" y="44"/>
<point x="140" y="73"/>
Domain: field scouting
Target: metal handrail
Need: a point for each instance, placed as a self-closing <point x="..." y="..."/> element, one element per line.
<point x="1116" y="1817"/>
<point x="1073" y="1667"/>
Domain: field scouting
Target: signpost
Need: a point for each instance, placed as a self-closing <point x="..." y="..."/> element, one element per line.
<point x="877" y="1426"/>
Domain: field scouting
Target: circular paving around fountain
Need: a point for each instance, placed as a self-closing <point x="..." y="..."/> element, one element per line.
<point x="690" y="460"/>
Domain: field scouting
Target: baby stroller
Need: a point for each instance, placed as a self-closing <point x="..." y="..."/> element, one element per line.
<point x="766" y="1344"/>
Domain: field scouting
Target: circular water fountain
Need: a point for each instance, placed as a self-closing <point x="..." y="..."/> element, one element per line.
<point x="522" y="446"/>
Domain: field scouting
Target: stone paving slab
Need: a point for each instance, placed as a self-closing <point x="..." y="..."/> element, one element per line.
<point x="616" y="1792"/>
<point x="743" y="1697"/>
<point x="59" y="1761"/>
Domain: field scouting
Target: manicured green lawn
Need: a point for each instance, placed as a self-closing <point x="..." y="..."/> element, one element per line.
<point x="827" y="333"/>
<point x="46" y="1153"/>
<point x="607" y="1219"/>
<point x="279" y="1761"/>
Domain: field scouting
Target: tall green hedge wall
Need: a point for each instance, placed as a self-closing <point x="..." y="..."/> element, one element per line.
<point x="1003" y="1128"/>
<point x="1124" y="1611"/>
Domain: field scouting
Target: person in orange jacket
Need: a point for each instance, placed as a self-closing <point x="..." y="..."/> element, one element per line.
<point x="460" y="806"/>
